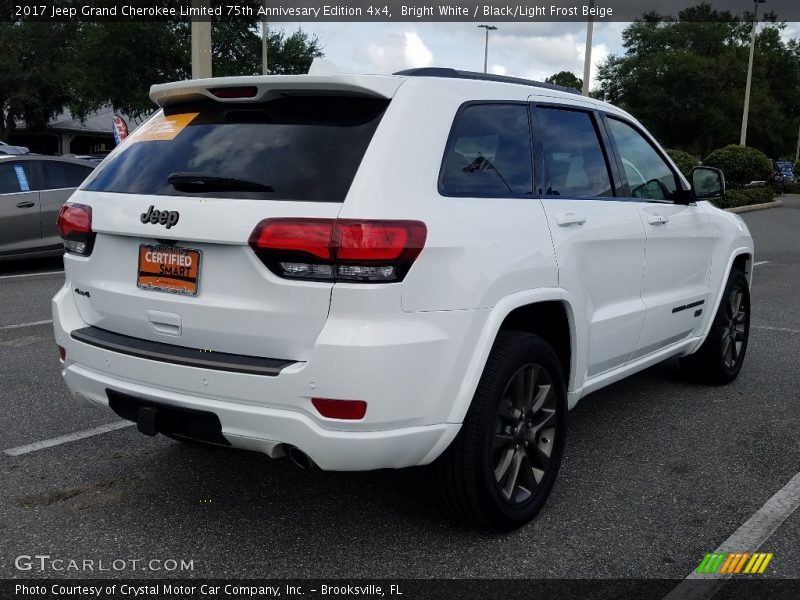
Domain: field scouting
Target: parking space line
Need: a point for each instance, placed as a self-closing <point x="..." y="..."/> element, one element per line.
<point x="31" y="275"/>
<point x="21" y="325"/>
<point x="748" y="538"/>
<point x="70" y="437"/>
<point x="761" y="262"/>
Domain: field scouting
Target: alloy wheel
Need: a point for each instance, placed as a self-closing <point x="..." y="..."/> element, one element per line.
<point x="524" y="433"/>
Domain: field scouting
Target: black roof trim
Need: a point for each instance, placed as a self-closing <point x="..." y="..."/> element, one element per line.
<point x="456" y="74"/>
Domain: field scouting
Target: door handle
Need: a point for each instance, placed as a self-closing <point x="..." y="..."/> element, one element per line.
<point x="567" y="219"/>
<point x="26" y="204"/>
<point x="657" y="220"/>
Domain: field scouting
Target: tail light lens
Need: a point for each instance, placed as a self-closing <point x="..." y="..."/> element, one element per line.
<point x="339" y="249"/>
<point x="75" y="228"/>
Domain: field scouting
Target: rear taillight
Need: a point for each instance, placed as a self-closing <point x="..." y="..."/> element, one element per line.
<point x="75" y="227"/>
<point x="339" y="249"/>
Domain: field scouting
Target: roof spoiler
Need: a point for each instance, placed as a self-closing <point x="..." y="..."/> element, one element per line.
<point x="264" y="87"/>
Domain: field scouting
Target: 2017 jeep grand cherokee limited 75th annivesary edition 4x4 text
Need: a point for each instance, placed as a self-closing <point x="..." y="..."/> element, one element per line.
<point x="369" y="271"/>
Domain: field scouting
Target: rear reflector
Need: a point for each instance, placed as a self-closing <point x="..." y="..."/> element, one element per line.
<point x="75" y="228"/>
<point x="62" y="354"/>
<point x="247" y="91"/>
<point x="340" y="409"/>
<point x="339" y="249"/>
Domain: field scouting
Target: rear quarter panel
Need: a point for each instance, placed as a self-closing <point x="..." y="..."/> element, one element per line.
<point x="478" y="250"/>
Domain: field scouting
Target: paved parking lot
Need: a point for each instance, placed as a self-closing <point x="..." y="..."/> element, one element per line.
<point x="658" y="471"/>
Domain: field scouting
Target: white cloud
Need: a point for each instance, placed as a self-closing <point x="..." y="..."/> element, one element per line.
<point x="533" y="50"/>
<point x="497" y="69"/>
<point x="416" y="52"/>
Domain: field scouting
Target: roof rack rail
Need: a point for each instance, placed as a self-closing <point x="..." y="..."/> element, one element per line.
<point x="456" y="74"/>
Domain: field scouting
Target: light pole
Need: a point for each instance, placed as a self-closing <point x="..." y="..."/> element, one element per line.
<point x="797" y="154"/>
<point x="488" y="28"/>
<point x="587" y="56"/>
<point x="264" y="32"/>
<point x="201" y="42"/>
<point x="743" y="138"/>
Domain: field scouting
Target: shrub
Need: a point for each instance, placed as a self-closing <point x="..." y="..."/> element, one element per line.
<point x="796" y="169"/>
<point x="792" y="188"/>
<point x="740" y="164"/>
<point x="748" y="196"/>
<point x="685" y="161"/>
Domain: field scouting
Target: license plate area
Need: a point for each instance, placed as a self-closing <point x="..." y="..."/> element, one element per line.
<point x="169" y="269"/>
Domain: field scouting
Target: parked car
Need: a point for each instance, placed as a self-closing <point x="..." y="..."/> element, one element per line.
<point x="32" y="190"/>
<point x="787" y="169"/>
<point x="777" y="179"/>
<point x="366" y="272"/>
<point x="6" y="148"/>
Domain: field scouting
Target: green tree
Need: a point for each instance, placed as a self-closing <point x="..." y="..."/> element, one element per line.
<point x="237" y="50"/>
<point x="36" y="72"/>
<point x="684" y="78"/>
<point x="685" y="161"/>
<point x="48" y="66"/>
<point x="566" y="79"/>
<point x="740" y="164"/>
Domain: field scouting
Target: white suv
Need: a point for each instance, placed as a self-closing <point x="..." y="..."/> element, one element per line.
<point x="384" y="271"/>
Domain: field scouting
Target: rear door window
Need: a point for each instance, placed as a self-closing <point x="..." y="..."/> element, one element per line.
<point x="305" y="148"/>
<point x="488" y="153"/>
<point x="15" y="178"/>
<point x="574" y="161"/>
<point x="58" y="175"/>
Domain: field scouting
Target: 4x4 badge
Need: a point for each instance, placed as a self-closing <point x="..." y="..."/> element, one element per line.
<point x="160" y="217"/>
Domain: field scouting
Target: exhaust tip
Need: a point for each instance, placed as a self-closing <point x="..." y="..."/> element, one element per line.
<point x="300" y="459"/>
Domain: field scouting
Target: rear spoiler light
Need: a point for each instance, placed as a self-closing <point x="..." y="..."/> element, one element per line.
<point x="369" y="251"/>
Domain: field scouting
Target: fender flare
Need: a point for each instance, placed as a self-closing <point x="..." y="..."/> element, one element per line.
<point x="491" y="327"/>
<point x="734" y="254"/>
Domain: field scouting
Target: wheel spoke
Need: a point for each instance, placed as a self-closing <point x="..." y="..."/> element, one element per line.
<point x="513" y="475"/>
<point x="726" y="343"/>
<point x="501" y="440"/>
<point x="735" y="302"/>
<point x="544" y="419"/>
<point x="541" y="396"/>
<point x="507" y="411"/>
<point x="502" y="466"/>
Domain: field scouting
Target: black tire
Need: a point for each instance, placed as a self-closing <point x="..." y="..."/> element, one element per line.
<point x="465" y="474"/>
<point x="720" y="358"/>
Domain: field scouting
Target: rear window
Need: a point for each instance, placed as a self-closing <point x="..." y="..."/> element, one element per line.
<point x="304" y="148"/>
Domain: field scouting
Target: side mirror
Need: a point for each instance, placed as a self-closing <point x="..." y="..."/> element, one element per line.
<point x="708" y="183"/>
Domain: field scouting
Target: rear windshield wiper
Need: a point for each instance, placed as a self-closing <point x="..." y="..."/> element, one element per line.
<point x="203" y="182"/>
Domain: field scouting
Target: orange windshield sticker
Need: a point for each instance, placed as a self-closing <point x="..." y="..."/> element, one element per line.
<point x="162" y="127"/>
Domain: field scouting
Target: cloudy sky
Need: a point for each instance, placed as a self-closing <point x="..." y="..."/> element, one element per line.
<point x="530" y="50"/>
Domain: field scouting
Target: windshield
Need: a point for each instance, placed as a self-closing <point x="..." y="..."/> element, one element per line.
<point x="305" y="148"/>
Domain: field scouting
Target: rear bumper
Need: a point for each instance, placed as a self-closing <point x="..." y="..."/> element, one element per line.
<point x="408" y="372"/>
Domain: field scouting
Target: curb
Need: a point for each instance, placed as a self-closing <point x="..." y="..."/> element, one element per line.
<point x="765" y="205"/>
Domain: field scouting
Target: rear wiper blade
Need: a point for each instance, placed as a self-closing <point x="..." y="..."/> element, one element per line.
<point x="203" y="182"/>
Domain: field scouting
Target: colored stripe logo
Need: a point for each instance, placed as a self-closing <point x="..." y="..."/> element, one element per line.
<point x="734" y="563"/>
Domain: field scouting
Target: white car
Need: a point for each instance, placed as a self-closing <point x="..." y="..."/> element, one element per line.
<point x="367" y="271"/>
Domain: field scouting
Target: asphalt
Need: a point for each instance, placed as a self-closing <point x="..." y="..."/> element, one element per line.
<point x="658" y="471"/>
